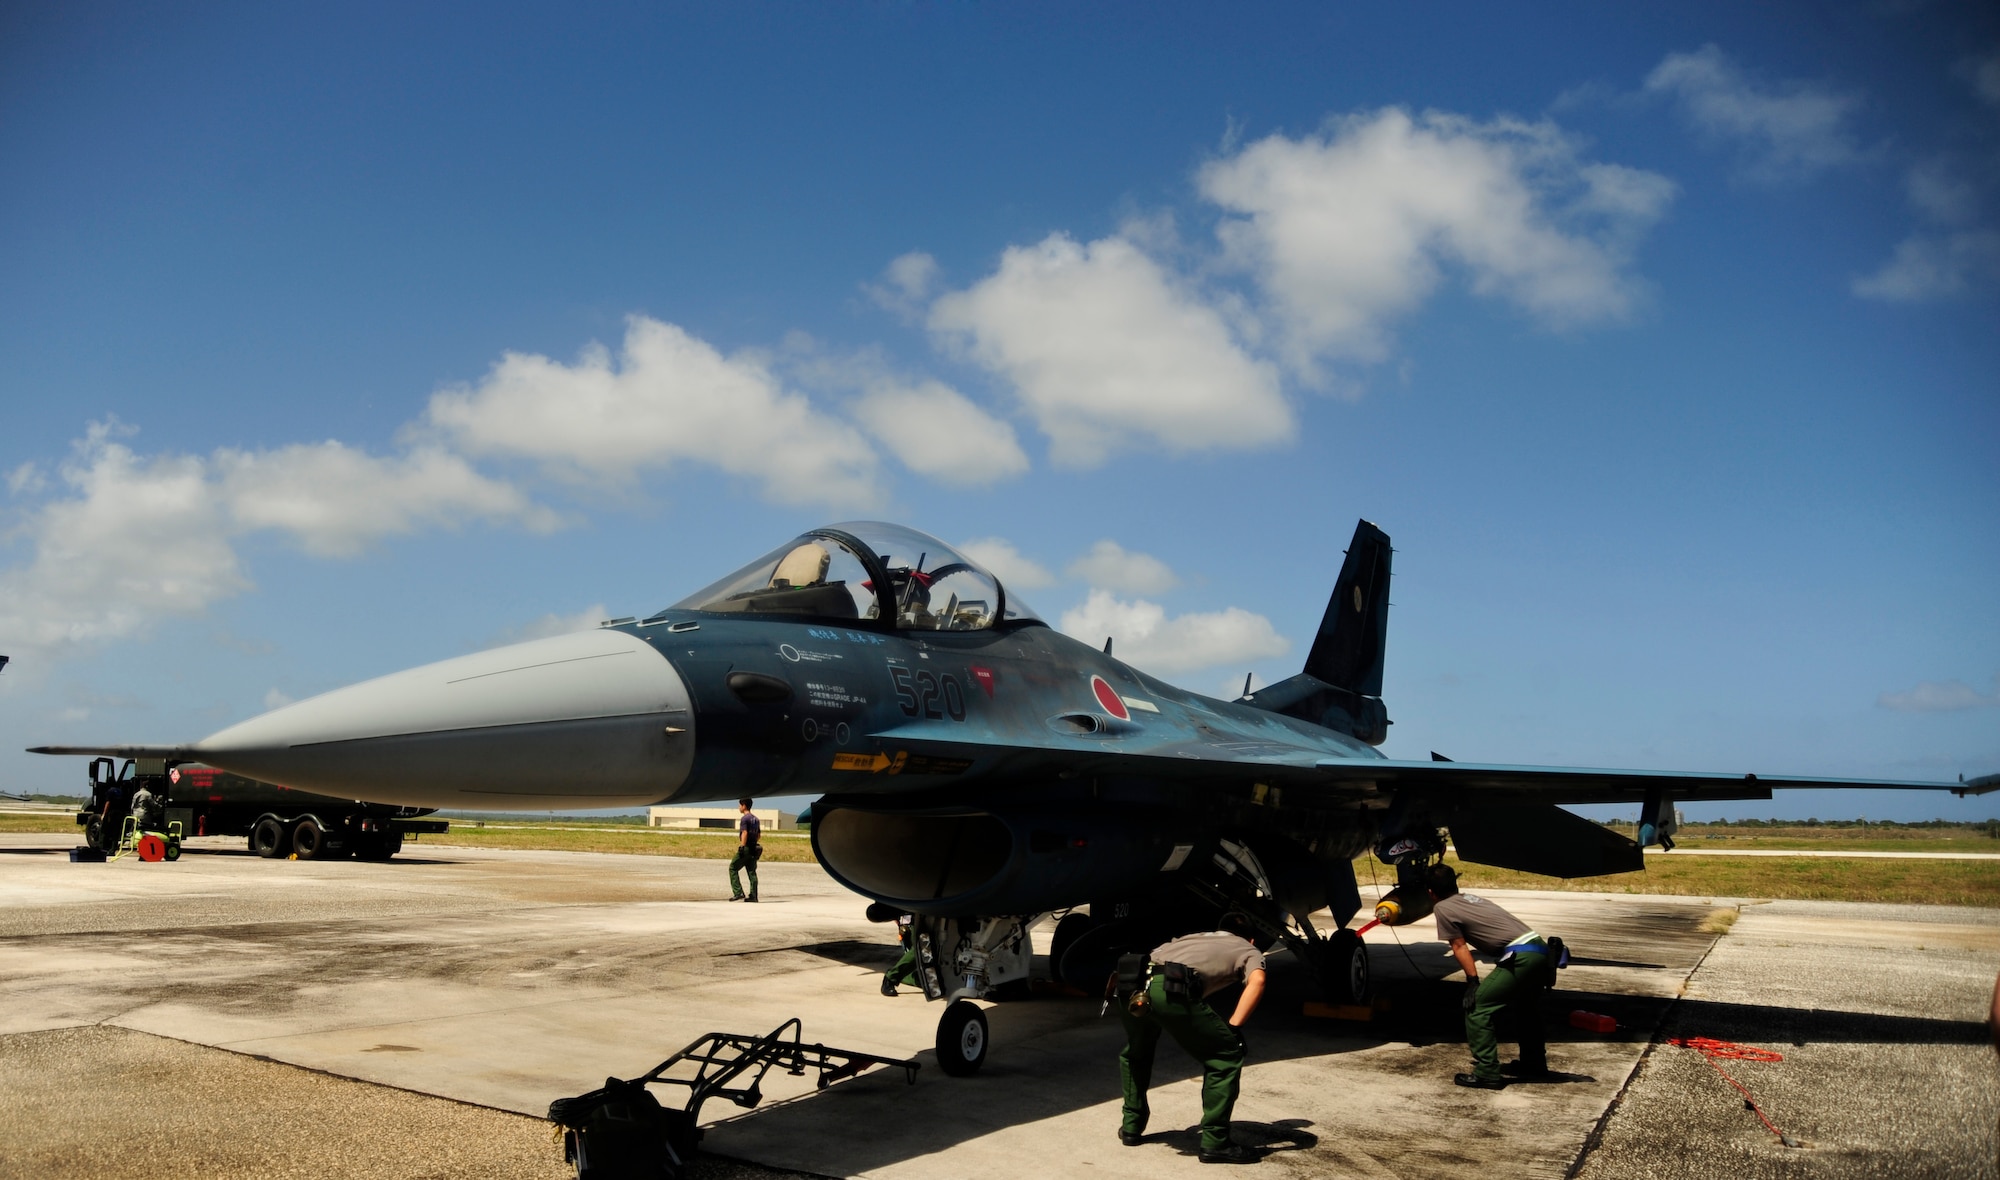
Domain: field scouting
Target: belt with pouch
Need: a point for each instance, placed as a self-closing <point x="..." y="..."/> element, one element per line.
<point x="1180" y="980"/>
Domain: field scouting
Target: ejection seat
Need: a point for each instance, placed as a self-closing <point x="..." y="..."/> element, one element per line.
<point x="802" y="567"/>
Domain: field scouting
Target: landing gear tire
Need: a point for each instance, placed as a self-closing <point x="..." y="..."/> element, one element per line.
<point x="961" y="1039"/>
<point x="267" y="839"/>
<point x="1067" y="931"/>
<point x="1344" y="968"/>
<point x="93" y="835"/>
<point x="309" y="840"/>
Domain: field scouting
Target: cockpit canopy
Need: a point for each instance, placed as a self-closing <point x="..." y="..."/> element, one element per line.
<point x="866" y="570"/>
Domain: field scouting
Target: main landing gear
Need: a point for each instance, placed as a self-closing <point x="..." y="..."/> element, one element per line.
<point x="967" y="959"/>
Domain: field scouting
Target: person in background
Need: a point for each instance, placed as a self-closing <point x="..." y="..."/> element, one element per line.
<point x="148" y="809"/>
<point x="1522" y="970"/>
<point x="749" y="847"/>
<point x="906" y="967"/>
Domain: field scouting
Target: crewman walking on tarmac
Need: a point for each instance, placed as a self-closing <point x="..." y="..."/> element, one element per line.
<point x="749" y="847"/>
<point x="906" y="967"/>
<point x="1180" y="978"/>
<point x="1523" y="968"/>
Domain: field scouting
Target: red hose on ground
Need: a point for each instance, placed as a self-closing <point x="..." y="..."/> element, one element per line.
<point x="1712" y="1049"/>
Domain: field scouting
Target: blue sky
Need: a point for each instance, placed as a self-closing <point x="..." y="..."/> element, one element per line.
<point x="337" y="340"/>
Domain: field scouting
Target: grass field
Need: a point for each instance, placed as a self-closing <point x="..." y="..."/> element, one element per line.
<point x="584" y="836"/>
<point x="1924" y="882"/>
<point x="14" y="821"/>
<point x="1873" y="838"/>
<point x="1917" y="882"/>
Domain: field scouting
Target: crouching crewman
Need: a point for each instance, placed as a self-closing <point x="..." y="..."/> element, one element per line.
<point x="1173" y="998"/>
<point x="1523" y="969"/>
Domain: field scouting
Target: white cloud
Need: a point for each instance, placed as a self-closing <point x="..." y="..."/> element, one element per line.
<point x="669" y="398"/>
<point x="937" y="432"/>
<point x="1111" y="566"/>
<point x="26" y="479"/>
<point x="335" y="499"/>
<point x="1984" y="74"/>
<point x="1950" y="254"/>
<point x="1015" y="571"/>
<point x="1350" y="228"/>
<point x="136" y="539"/>
<point x="552" y="624"/>
<point x="906" y="284"/>
<point x="133" y="538"/>
<point x="1934" y="266"/>
<point x="1947" y="696"/>
<point x="1143" y="636"/>
<point x="277" y="698"/>
<point x="1106" y="351"/>
<point x="1938" y="193"/>
<point x="1786" y="132"/>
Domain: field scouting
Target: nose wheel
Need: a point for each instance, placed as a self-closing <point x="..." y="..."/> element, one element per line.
<point x="961" y="1039"/>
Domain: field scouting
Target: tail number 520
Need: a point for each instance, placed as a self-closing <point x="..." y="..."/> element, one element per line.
<point x="925" y="693"/>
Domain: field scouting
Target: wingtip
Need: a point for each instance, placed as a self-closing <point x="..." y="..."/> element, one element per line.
<point x="1983" y="785"/>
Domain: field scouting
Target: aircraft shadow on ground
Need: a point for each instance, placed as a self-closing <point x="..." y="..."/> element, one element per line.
<point x="1032" y="1076"/>
<point x="1055" y="1055"/>
<point x="853" y="952"/>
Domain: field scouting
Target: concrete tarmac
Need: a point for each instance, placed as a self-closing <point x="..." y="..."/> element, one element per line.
<point x="247" y="1017"/>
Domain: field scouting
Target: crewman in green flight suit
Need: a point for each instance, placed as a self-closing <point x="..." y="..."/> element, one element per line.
<point x="1182" y="975"/>
<point x="1523" y="969"/>
<point x="906" y="967"/>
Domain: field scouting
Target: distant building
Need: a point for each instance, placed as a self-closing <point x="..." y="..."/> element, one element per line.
<point x="718" y="818"/>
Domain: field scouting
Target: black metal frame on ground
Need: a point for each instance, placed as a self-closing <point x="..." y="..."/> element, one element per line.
<point x="730" y="1055"/>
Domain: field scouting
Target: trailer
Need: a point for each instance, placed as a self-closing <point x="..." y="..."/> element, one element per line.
<point x="276" y="820"/>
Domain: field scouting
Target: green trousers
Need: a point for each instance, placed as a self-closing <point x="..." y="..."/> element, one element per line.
<point x="1206" y="1036"/>
<point x="906" y="967"/>
<point x="1513" y="988"/>
<point x="745" y="859"/>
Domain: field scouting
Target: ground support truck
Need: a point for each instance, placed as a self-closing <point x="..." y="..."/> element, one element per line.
<point x="277" y="821"/>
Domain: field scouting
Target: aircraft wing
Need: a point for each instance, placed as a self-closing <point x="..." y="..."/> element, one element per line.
<point x="1309" y="776"/>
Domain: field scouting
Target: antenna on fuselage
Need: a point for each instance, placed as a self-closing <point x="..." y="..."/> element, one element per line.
<point x="1107" y="645"/>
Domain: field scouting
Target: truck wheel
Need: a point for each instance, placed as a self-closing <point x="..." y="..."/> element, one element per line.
<point x="961" y="1039"/>
<point x="379" y="847"/>
<point x="309" y="840"/>
<point x="267" y="839"/>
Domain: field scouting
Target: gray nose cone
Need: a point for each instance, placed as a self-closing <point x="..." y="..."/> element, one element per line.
<point x="594" y="719"/>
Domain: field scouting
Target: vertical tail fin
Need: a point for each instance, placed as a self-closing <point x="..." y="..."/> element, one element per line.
<point x="1341" y="687"/>
<point x="1352" y="636"/>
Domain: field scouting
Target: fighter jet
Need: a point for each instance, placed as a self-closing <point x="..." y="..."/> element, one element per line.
<point x="975" y="767"/>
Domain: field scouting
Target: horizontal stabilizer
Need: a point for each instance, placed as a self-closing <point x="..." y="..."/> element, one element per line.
<point x="1543" y="839"/>
<point x="1983" y="785"/>
<point x="181" y="753"/>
